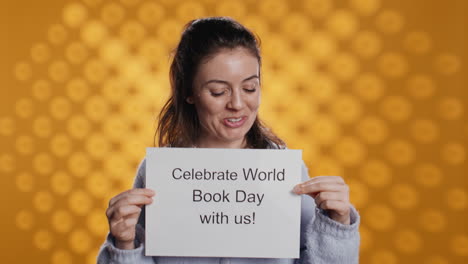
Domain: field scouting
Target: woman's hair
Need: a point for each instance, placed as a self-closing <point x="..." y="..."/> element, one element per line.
<point x="178" y="121"/>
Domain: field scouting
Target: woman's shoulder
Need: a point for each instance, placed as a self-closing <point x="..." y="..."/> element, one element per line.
<point x="142" y="166"/>
<point x="273" y="145"/>
<point x="140" y="178"/>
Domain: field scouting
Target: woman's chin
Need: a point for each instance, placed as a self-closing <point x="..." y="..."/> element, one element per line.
<point x="232" y="138"/>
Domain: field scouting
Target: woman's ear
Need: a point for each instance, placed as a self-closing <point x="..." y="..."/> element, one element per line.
<point x="189" y="100"/>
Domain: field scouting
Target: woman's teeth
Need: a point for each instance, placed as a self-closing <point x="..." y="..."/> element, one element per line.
<point x="234" y="119"/>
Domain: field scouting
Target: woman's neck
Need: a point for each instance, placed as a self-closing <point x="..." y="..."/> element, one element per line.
<point x="238" y="144"/>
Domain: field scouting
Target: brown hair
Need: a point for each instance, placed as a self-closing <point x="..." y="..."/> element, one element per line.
<point x="178" y="121"/>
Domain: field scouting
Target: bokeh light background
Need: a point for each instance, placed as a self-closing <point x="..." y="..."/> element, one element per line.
<point x="372" y="90"/>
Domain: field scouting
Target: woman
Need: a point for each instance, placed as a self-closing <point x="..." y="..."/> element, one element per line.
<point x="215" y="80"/>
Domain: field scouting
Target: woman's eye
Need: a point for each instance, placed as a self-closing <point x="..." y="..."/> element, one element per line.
<point x="250" y="88"/>
<point x="217" y="93"/>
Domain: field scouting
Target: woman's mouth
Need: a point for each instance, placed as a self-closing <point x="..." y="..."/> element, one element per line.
<point x="234" y="122"/>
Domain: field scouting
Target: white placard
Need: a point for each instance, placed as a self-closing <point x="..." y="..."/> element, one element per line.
<point x="223" y="202"/>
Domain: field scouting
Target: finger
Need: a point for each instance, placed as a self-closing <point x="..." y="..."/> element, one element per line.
<point x="317" y="179"/>
<point x="122" y="232"/>
<point x="138" y="200"/>
<point x="122" y="224"/>
<point x="323" y="196"/>
<point x="142" y="191"/>
<point x="135" y="191"/>
<point x="116" y="213"/>
<point x="336" y="179"/>
<point x="134" y="216"/>
<point x="317" y="187"/>
<point x="339" y="207"/>
<point x="132" y="220"/>
<point x="133" y="200"/>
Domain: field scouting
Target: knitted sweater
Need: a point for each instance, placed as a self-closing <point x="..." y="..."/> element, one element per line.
<point x="323" y="240"/>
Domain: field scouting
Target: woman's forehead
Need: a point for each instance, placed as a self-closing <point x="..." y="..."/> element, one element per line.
<point x="229" y="63"/>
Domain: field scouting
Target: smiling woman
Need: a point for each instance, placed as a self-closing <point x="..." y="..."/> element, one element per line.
<point x="215" y="82"/>
<point x="215" y="78"/>
<point x="226" y="95"/>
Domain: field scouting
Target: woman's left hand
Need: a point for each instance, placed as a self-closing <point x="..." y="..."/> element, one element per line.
<point x="331" y="193"/>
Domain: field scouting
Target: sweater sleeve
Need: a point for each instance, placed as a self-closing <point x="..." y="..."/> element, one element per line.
<point x="324" y="240"/>
<point x="108" y="253"/>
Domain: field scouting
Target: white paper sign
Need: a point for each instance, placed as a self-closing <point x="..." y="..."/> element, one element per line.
<point x="223" y="202"/>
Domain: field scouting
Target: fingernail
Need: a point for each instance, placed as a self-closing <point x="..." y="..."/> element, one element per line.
<point x="297" y="189"/>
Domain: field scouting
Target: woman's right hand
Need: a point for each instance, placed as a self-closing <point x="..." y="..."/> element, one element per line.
<point x="123" y="212"/>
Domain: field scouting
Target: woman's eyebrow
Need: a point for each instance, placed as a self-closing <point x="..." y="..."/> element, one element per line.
<point x="227" y="83"/>
<point x="214" y="81"/>
<point x="251" y="77"/>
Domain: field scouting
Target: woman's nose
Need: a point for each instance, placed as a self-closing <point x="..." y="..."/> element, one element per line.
<point x="236" y="101"/>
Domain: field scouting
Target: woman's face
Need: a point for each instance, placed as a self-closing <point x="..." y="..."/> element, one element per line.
<point x="226" y="94"/>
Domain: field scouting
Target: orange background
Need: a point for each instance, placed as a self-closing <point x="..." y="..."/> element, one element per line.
<point x="372" y="90"/>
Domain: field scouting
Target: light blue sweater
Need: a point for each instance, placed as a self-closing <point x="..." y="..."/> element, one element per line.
<point x="323" y="240"/>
